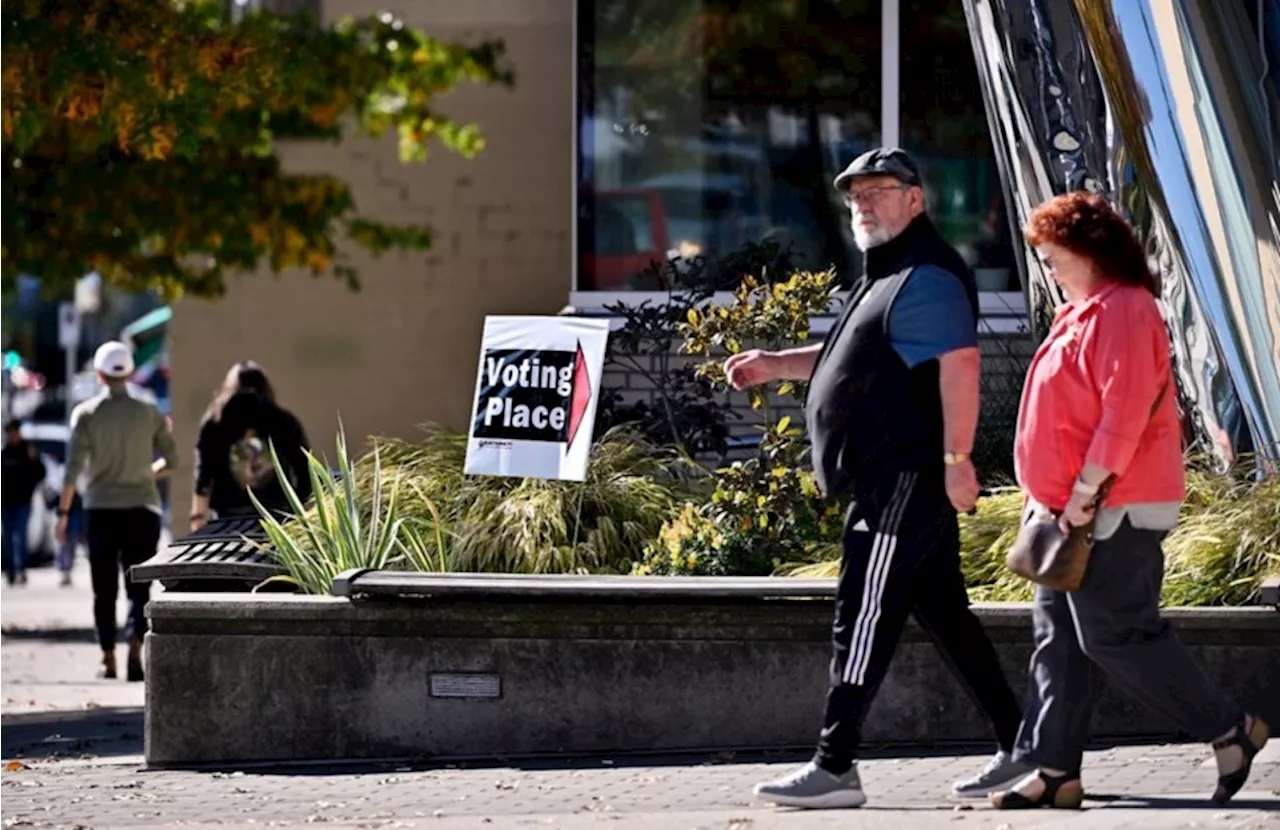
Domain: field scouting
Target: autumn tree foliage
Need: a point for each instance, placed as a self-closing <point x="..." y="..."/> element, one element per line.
<point x="138" y="136"/>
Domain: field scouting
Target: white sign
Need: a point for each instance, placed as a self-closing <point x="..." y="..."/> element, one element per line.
<point x="537" y="389"/>
<point x="68" y="325"/>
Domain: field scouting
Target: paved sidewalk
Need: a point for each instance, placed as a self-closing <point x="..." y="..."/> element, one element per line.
<point x="72" y="750"/>
<point x="50" y="656"/>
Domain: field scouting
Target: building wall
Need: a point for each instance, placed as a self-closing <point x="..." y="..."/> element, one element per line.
<point x="403" y="350"/>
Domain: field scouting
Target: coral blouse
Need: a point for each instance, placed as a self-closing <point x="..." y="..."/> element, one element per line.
<point x="1088" y="398"/>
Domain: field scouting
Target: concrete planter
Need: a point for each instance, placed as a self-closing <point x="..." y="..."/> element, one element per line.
<point x="281" y="678"/>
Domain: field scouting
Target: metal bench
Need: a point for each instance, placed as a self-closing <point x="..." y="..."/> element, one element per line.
<point x="217" y="557"/>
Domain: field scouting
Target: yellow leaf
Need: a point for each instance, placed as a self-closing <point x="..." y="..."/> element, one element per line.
<point x="207" y="61"/>
<point x="783" y="423"/>
<point x="14" y="766"/>
<point x="318" y="260"/>
<point x="294" y="241"/>
<point x="694" y="317"/>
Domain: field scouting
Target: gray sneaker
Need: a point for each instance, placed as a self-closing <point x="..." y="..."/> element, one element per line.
<point x="813" y="787"/>
<point x="999" y="772"/>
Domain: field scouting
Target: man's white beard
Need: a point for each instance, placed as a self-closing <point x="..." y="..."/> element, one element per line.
<point x="868" y="238"/>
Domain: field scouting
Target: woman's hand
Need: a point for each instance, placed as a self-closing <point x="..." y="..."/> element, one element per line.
<point x="1077" y="512"/>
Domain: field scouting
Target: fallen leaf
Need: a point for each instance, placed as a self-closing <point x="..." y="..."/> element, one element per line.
<point x="14" y="766"/>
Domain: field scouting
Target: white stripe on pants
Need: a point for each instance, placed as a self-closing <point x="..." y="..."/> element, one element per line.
<point x="885" y="543"/>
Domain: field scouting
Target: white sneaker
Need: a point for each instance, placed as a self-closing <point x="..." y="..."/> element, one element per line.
<point x="1000" y="771"/>
<point x="813" y="787"/>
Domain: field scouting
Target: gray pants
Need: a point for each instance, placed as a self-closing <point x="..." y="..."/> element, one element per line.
<point x="1111" y="629"/>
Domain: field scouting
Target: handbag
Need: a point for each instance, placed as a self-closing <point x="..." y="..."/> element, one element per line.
<point x="1045" y="555"/>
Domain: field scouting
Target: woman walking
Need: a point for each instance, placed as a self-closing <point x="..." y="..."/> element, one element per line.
<point x="1098" y="402"/>
<point x="233" y="454"/>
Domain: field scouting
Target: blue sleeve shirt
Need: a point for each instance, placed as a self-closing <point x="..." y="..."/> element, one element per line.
<point x="931" y="316"/>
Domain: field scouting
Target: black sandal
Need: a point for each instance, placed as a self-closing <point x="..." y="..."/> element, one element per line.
<point x="1251" y="740"/>
<point x="1051" y="796"/>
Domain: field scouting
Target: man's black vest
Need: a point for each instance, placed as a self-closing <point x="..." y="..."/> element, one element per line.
<point x="868" y="414"/>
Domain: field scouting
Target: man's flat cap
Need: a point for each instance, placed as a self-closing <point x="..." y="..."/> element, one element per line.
<point x="882" y="161"/>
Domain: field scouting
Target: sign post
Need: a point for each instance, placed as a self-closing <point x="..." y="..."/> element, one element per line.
<point x="69" y="340"/>
<point x="537" y="389"/>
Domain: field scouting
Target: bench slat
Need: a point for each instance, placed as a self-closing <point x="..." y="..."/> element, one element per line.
<point x="222" y="549"/>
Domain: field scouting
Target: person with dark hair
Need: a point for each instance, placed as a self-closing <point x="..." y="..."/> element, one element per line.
<point x="1098" y="411"/>
<point x="233" y="449"/>
<point x="23" y="472"/>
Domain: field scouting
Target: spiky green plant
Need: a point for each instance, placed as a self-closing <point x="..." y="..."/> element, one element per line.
<point x="345" y="528"/>
<point x="530" y="525"/>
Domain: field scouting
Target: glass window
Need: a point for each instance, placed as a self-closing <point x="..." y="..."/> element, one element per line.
<point x="944" y="126"/>
<point x="708" y="125"/>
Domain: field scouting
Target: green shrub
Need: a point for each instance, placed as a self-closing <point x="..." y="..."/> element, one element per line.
<point x="1227" y="540"/>
<point x="766" y="510"/>
<point x="763" y="315"/>
<point x="514" y="525"/>
<point x="345" y="528"/>
<point x="763" y="512"/>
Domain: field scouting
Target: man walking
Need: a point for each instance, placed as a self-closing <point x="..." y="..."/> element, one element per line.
<point x="116" y="437"/>
<point x="23" y="472"/>
<point x="892" y="410"/>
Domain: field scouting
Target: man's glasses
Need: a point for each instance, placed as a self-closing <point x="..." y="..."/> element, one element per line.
<point x="870" y="195"/>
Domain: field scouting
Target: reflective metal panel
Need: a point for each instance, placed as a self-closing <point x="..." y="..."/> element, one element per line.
<point x="1169" y="108"/>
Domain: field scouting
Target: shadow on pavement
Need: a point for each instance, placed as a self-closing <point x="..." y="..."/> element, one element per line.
<point x="549" y="762"/>
<point x="50" y="635"/>
<point x="1180" y="802"/>
<point x="93" y="733"/>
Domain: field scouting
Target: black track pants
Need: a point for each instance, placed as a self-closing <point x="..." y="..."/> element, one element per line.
<point x="902" y="556"/>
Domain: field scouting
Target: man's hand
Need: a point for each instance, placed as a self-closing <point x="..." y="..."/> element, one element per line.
<point x="752" y="368"/>
<point x="60" y="532"/>
<point x="962" y="486"/>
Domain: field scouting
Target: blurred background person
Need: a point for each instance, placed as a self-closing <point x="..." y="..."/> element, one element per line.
<point x="23" y="473"/>
<point x="233" y="449"/>
<point x="116" y="437"/>
<point x="65" y="558"/>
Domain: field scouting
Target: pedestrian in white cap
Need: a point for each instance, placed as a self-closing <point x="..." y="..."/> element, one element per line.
<point x="116" y="437"/>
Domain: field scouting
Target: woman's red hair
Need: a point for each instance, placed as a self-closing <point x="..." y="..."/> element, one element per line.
<point x="1086" y="225"/>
